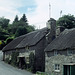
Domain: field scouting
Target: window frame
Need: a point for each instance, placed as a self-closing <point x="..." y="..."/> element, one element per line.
<point x="69" y="52"/>
<point x="55" y="52"/>
<point x="27" y="59"/>
<point x="57" y="67"/>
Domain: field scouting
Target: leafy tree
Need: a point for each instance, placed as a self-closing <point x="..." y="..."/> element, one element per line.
<point x="21" y="31"/>
<point x="9" y="39"/>
<point x="68" y="21"/>
<point x="17" y="24"/>
<point x="13" y="28"/>
<point x="21" y="27"/>
<point x="30" y="28"/>
<point x="3" y="35"/>
<point x="4" y="22"/>
<point x="2" y="44"/>
<point x="17" y="28"/>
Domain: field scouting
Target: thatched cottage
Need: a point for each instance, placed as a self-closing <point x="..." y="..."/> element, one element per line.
<point x="35" y="42"/>
<point x="60" y="54"/>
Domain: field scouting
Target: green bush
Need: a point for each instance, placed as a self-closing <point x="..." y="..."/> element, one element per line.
<point x="14" y="58"/>
<point x="7" y="60"/>
<point x="32" y="61"/>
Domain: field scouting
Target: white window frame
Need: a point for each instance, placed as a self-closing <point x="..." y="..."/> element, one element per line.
<point x="27" y="59"/>
<point x="57" y="67"/>
<point x="69" y="52"/>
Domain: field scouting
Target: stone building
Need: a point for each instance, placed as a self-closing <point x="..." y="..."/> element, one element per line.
<point x="60" y="54"/>
<point x="35" y="42"/>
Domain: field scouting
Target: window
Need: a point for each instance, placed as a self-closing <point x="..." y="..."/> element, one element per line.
<point x="27" y="47"/>
<point x="57" y="67"/>
<point x="27" y="59"/>
<point x="55" y="52"/>
<point x="69" y="52"/>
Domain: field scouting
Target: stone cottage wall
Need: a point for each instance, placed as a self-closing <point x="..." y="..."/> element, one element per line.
<point x="37" y="49"/>
<point x="7" y="54"/>
<point x="60" y="59"/>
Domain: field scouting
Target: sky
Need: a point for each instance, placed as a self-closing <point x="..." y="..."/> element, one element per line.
<point x="37" y="11"/>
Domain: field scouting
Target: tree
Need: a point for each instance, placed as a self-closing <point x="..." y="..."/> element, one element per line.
<point x="3" y="34"/>
<point x="4" y="22"/>
<point x="9" y="39"/>
<point x="16" y="19"/>
<point x="30" y="28"/>
<point x="21" y="31"/>
<point x="68" y="21"/>
<point x="24" y="19"/>
<point x="2" y="44"/>
<point x="20" y="27"/>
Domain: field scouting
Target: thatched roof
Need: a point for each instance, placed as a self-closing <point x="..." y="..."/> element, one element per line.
<point x="26" y="40"/>
<point x="65" y="40"/>
<point x="13" y="43"/>
<point x="32" y="38"/>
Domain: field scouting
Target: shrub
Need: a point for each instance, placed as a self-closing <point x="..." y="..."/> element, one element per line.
<point x="14" y="58"/>
<point x="32" y="61"/>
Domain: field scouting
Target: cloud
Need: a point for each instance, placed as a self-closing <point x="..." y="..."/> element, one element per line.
<point x="8" y="8"/>
<point x="37" y="11"/>
<point x="11" y="8"/>
<point x="40" y="16"/>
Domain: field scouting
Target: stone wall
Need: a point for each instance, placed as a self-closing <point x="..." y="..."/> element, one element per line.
<point x="7" y="54"/>
<point x="50" y="61"/>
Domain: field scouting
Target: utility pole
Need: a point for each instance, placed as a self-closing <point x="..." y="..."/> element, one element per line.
<point x="49" y="10"/>
<point x="61" y="13"/>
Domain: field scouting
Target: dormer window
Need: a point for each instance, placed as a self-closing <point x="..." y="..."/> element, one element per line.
<point x="69" y="52"/>
<point x="55" y="52"/>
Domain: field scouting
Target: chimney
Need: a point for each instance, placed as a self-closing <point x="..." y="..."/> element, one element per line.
<point x="59" y="30"/>
<point x="51" y="25"/>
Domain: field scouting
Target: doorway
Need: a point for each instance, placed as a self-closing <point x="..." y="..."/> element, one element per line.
<point x="22" y="63"/>
<point x="69" y="70"/>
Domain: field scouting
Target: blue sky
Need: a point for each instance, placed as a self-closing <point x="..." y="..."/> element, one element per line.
<point x="37" y="11"/>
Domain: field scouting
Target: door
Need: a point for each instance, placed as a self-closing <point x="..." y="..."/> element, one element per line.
<point x="66" y="70"/>
<point x="22" y="62"/>
<point x="69" y="70"/>
<point x="73" y="70"/>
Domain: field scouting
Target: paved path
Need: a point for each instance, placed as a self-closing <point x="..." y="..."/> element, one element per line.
<point x="6" y="69"/>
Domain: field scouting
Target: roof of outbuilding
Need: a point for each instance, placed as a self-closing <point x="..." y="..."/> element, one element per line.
<point x="26" y="40"/>
<point x="65" y="40"/>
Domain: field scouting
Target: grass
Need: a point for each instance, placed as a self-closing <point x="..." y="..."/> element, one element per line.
<point x="41" y="73"/>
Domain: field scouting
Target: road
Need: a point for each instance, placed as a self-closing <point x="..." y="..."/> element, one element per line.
<point x="6" y="69"/>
